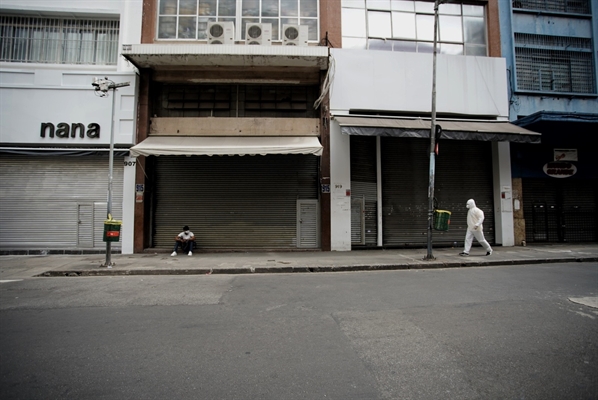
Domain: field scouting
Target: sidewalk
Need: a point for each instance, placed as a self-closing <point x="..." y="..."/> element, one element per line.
<point x="21" y="267"/>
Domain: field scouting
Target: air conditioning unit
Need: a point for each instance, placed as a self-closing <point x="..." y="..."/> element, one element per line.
<point x="221" y="32"/>
<point x="294" y="35"/>
<point x="258" y="34"/>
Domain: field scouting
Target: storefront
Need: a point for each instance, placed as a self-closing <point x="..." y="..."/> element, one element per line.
<point x="54" y="162"/>
<point x="234" y="193"/>
<point x="390" y="177"/>
<point x="56" y="200"/>
<point x="558" y="181"/>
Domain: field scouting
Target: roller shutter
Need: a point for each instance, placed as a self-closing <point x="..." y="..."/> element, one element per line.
<point x="56" y="202"/>
<point x="232" y="201"/>
<point x="463" y="171"/>
<point x="560" y="210"/>
<point x="364" y="220"/>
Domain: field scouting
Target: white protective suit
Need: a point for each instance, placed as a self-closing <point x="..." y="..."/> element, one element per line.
<point x="475" y="218"/>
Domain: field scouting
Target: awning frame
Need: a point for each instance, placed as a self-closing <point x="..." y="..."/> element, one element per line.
<point x="481" y="130"/>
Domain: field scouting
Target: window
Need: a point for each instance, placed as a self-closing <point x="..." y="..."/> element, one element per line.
<point x="188" y="19"/>
<point x="58" y="41"/>
<point x="229" y="101"/>
<point x="554" y="64"/>
<point x="561" y="6"/>
<point x="401" y="25"/>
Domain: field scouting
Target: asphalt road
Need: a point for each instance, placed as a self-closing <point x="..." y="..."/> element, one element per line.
<point x="512" y="332"/>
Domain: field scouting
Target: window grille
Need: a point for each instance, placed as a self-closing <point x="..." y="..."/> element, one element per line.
<point x="58" y="41"/>
<point x="564" y="6"/>
<point x="554" y="64"/>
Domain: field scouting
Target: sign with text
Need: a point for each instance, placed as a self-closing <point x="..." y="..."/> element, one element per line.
<point x="565" y="155"/>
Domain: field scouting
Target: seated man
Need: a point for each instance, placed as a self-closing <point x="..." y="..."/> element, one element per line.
<point x="186" y="240"/>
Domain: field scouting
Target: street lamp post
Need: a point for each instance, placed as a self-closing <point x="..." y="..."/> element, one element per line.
<point x="432" y="174"/>
<point x="102" y="87"/>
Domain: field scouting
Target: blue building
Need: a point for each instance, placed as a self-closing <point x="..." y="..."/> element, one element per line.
<point x="550" y="48"/>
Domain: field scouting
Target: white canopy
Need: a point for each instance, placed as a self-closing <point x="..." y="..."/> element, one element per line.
<point x="226" y="146"/>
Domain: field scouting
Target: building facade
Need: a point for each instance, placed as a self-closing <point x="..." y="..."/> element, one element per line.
<point x="550" y="49"/>
<point x="261" y="137"/>
<point x="55" y="131"/>
<point x="229" y="140"/>
<point x="381" y="121"/>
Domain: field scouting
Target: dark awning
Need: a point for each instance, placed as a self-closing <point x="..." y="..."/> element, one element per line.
<point x="555" y="116"/>
<point x="496" y="131"/>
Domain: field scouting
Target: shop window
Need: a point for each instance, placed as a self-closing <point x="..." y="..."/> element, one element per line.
<point x="28" y="39"/>
<point x="409" y="26"/>
<point x="188" y="19"/>
<point x="554" y="64"/>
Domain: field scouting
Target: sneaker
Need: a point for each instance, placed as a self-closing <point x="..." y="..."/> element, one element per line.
<point x="173" y="254"/>
<point x="464" y="254"/>
<point x="489" y="253"/>
<point x="190" y="254"/>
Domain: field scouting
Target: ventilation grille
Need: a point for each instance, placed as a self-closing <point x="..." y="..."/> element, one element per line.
<point x="564" y="6"/>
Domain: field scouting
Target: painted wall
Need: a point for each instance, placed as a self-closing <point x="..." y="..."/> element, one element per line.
<point x="30" y="98"/>
<point x="395" y="81"/>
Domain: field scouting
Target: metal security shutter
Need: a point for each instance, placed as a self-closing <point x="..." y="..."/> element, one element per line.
<point x="463" y="171"/>
<point x="560" y="210"/>
<point x="56" y="202"/>
<point x="364" y="188"/>
<point x="233" y="201"/>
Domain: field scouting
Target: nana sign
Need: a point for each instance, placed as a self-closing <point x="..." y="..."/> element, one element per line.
<point x="64" y="130"/>
<point x="560" y="169"/>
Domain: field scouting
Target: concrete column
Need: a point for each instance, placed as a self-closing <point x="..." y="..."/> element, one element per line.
<point x="340" y="189"/>
<point x="503" y="194"/>
<point x="128" y="227"/>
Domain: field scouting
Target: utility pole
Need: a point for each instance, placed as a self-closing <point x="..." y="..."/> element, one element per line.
<point x="102" y="87"/>
<point x="432" y="174"/>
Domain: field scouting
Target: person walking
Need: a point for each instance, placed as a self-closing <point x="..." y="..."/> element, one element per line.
<point x="186" y="240"/>
<point x="475" y="217"/>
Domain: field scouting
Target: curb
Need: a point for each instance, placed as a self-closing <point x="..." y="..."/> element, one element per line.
<point x="304" y="269"/>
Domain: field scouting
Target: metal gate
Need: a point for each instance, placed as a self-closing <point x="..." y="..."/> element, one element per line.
<point x="233" y="202"/>
<point x="560" y="210"/>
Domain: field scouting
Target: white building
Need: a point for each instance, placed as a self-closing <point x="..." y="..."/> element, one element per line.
<point x="380" y="107"/>
<point x="55" y="131"/>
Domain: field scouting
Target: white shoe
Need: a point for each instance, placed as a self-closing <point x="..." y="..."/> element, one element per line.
<point x="173" y="254"/>
<point x="190" y="254"/>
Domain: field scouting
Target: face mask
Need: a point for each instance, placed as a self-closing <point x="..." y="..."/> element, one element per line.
<point x="186" y="232"/>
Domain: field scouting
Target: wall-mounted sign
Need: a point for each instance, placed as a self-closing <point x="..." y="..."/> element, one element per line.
<point x="560" y="169"/>
<point x="565" y="155"/>
<point x="64" y="130"/>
